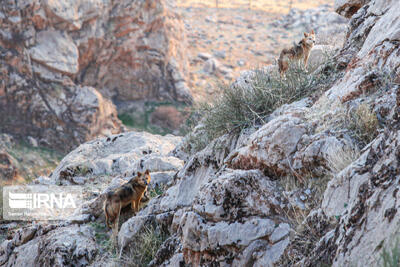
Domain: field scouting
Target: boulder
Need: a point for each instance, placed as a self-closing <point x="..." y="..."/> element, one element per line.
<point x="272" y="147"/>
<point x="121" y="154"/>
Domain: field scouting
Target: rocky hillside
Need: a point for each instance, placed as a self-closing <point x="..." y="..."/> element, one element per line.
<point x="313" y="183"/>
<point x="65" y="64"/>
<point x="56" y="56"/>
<point x="128" y="50"/>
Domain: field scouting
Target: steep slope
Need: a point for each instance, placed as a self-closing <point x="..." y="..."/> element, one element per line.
<point x="251" y="198"/>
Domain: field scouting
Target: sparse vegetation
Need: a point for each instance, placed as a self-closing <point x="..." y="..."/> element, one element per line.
<point x="340" y="158"/>
<point x="140" y="118"/>
<point x="305" y="234"/>
<point x="363" y="124"/>
<point x="242" y="106"/>
<point x="101" y="236"/>
<point x="391" y="258"/>
<point x="156" y="191"/>
<point x="359" y="122"/>
<point x="33" y="161"/>
<point x="143" y="250"/>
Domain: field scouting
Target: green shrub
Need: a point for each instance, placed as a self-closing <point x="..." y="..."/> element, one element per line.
<point x="237" y="107"/>
<point x="156" y="191"/>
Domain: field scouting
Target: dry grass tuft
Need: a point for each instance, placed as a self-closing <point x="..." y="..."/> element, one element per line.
<point x="144" y="248"/>
<point x="339" y="159"/>
<point x="363" y="123"/>
<point x="248" y="104"/>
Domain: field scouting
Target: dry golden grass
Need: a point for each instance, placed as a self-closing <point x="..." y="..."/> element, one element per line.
<point x="341" y="158"/>
<point x="272" y="6"/>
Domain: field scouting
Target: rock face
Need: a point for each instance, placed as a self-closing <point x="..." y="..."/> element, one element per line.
<point x="57" y="115"/>
<point x="130" y="50"/>
<point x="218" y="215"/>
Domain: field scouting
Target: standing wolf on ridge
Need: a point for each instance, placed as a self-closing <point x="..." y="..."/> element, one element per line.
<point x="130" y="193"/>
<point x="299" y="51"/>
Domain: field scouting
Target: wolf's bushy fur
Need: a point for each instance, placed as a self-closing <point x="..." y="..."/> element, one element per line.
<point x="300" y="51"/>
<point x="130" y="193"/>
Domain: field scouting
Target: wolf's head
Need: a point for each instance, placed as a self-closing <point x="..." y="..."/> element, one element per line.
<point x="309" y="38"/>
<point x="144" y="178"/>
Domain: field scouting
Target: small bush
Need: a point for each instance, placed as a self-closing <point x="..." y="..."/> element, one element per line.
<point x="156" y="191"/>
<point x="239" y="107"/>
<point x="144" y="248"/>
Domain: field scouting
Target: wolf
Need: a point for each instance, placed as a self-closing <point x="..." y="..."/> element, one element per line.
<point x="130" y="193"/>
<point x="299" y="51"/>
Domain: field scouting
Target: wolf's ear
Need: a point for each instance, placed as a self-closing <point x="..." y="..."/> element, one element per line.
<point x="312" y="32"/>
<point x="305" y="34"/>
<point x="147" y="172"/>
<point x="139" y="174"/>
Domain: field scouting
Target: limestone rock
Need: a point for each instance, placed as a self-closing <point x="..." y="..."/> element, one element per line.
<point x="130" y="50"/>
<point x="119" y="154"/>
<point x="370" y="43"/>
<point x="59" y="116"/>
<point x="352" y="196"/>
<point x="56" y="51"/>
<point x="272" y="146"/>
<point x="46" y="246"/>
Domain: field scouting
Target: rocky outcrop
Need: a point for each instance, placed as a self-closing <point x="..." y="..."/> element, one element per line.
<point x="118" y="155"/>
<point x="57" y="115"/>
<point x="372" y="41"/>
<point x="40" y="245"/>
<point x="290" y="144"/>
<point x="216" y="214"/>
<point x="364" y="198"/>
<point x="98" y="166"/>
<point x="128" y="50"/>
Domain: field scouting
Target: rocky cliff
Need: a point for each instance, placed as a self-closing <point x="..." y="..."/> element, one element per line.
<point x="258" y="197"/>
<point x="63" y="61"/>
<point x="128" y="50"/>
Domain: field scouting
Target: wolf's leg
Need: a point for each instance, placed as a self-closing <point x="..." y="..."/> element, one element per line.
<point x="106" y="214"/>
<point x="133" y="205"/>
<point x="137" y="205"/>
<point x="306" y="61"/>
<point x="115" y="228"/>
